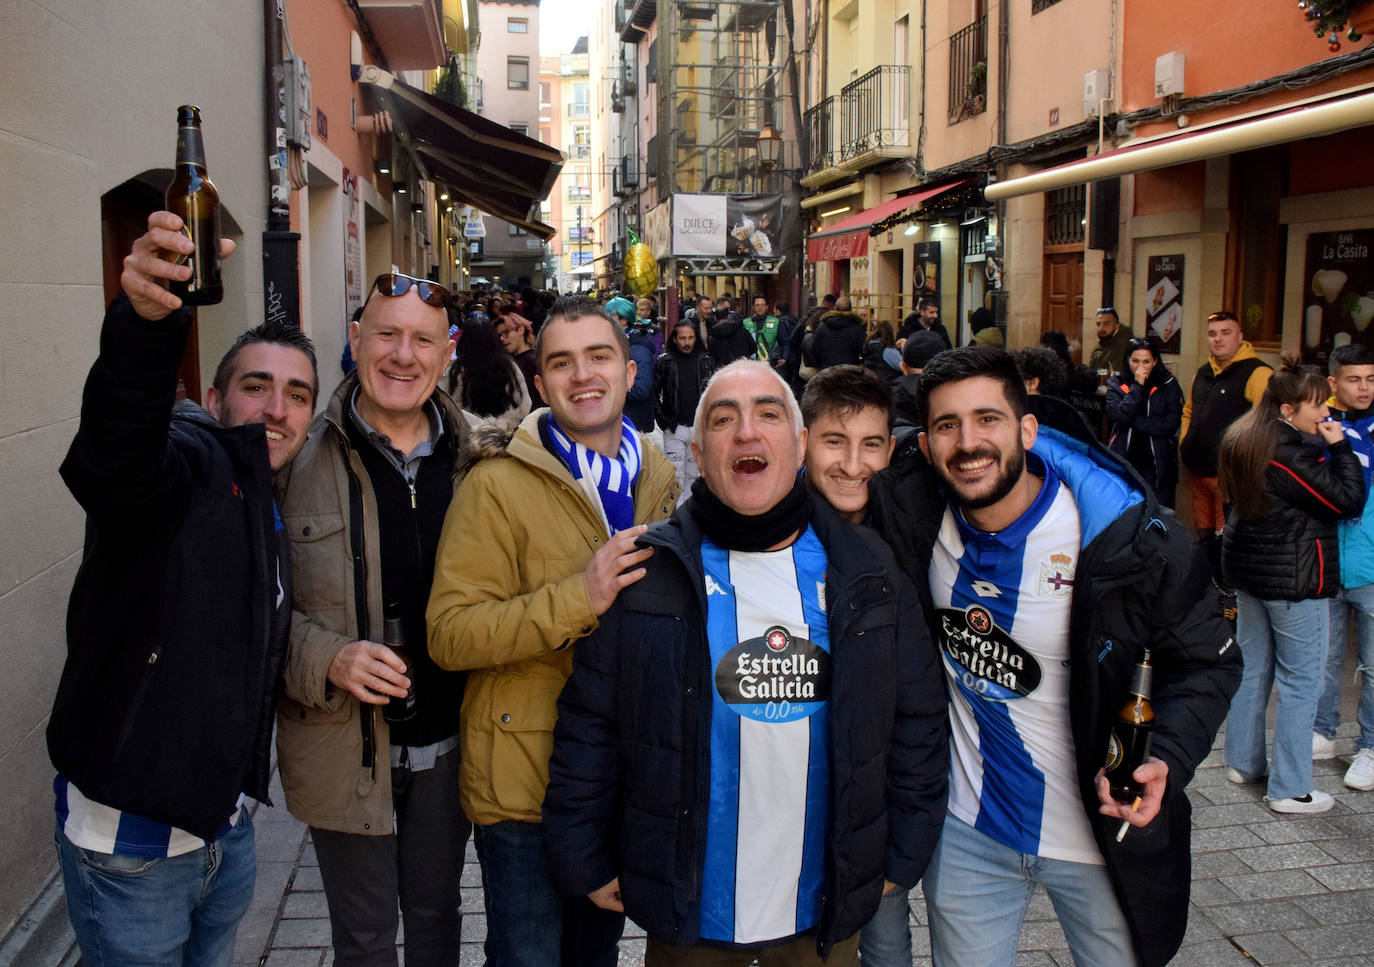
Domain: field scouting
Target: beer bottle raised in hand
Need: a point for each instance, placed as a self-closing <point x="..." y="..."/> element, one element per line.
<point x="192" y="196"/>
<point x="394" y="637"/>
<point x="1129" y="745"/>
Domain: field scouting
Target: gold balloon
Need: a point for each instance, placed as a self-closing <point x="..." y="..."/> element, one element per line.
<point x="641" y="269"/>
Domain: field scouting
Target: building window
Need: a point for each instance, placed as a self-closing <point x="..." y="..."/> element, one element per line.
<point x="1259" y="179"/>
<point x="520" y="129"/>
<point x="1038" y="5"/>
<point x="517" y="25"/>
<point x="515" y="230"/>
<point x="1064" y="212"/>
<point x="545" y="93"/>
<point x="518" y="73"/>
<point x="968" y="71"/>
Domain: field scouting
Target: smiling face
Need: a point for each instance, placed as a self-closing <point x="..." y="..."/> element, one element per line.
<point x="583" y="376"/>
<point x="929" y="315"/>
<point x="271" y="384"/>
<point x="977" y="446"/>
<point x="747" y="443"/>
<point x="844" y="449"/>
<point x="401" y="346"/>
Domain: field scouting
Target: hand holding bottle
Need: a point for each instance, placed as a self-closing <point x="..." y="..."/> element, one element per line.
<point x="1153" y="776"/>
<point x="150" y="266"/>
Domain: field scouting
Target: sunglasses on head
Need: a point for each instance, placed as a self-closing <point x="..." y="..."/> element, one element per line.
<point x="1222" y="316"/>
<point x="394" y="284"/>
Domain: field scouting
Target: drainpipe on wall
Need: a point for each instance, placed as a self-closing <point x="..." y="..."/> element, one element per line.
<point x="281" y="275"/>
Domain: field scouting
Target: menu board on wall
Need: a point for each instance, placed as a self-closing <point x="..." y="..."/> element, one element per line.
<point x="925" y="281"/>
<point x="1164" y="300"/>
<point x="1338" y="293"/>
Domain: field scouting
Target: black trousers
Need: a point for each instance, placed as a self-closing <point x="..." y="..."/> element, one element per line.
<point x="420" y="865"/>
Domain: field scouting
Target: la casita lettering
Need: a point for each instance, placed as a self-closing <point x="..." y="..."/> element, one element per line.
<point x="986" y="660"/>
<point x="777" y="677"/>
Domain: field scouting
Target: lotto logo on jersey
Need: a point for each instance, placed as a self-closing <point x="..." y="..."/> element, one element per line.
<point x="777" y="677"/>
<point x="985" y="660"/>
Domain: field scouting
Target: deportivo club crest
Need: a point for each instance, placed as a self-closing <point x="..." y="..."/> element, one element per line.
<point x="1056" y="577"/>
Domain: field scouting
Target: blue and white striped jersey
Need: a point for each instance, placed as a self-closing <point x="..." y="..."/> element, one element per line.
<point x="1002" y="615"/>
<point x="767" y="818"/>
<point x="104" y="829"/>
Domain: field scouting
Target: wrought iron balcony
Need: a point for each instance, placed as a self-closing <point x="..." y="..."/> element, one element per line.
<point x="968" y="71"/>
<point x="875" y="111"/>
<point x="822" y="142"/>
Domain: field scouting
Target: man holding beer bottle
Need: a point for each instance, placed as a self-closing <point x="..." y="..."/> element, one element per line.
<point x="1051" y="571"/>
<point x="376" y="776"/>
<point x="177" y="625"/>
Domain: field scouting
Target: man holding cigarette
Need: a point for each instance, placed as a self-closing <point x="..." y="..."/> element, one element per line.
<point x="1050" y="569"/>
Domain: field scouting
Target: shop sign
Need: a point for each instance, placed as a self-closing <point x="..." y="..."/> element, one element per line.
<point x="1338" y="292"/>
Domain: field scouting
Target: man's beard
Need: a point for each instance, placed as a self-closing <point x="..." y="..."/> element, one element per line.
<point x="1016" y="466"/>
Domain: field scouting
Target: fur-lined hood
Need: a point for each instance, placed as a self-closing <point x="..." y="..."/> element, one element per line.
<point x="491" y="435"/>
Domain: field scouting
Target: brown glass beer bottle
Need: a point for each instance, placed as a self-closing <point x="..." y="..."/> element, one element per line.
<point x="1129" y="745"/>
<point x="192" y="196"/>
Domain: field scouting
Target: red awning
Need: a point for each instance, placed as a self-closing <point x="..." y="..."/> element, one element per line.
<point x="849" y="236"/>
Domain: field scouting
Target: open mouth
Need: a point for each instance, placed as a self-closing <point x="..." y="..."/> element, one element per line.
<point x="275" y="436"/>
<point x="854" y="484"/>
<point x="750" y="465"/>
<point x="399" y="378"/>
<point x="588" y="395"/>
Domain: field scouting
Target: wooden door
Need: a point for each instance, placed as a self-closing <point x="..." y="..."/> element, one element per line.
<point x="1061" y="305"/>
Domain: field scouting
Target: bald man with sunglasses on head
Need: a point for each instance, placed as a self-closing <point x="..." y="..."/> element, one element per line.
<point x="363" y="506"/>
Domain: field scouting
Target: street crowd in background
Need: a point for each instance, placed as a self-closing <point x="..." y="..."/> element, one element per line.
<point x="738" y="624"/>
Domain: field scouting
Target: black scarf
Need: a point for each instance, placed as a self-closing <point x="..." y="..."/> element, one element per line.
<point x="739" y="532"/>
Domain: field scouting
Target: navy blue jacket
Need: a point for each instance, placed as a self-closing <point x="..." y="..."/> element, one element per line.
<point x="629" y="777"/>
<point x="639" y="400"/>
<point x="1155" y="409"/>
<point x="176" y="630"/>
<point x="1141" y="583"/>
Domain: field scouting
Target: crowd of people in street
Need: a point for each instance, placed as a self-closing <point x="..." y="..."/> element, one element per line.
<point x="739" y="626"/>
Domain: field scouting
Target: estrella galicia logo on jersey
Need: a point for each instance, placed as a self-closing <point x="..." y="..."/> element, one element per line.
<point x="778" y="677"/>
<point x="777" y="638"/>
<point x="986" y="660"/>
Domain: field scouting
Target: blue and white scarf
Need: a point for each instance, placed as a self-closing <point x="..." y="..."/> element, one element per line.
<point x="609" y="482"/>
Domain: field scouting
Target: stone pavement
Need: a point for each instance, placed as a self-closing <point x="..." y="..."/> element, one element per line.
<point x="1267" y="889"/>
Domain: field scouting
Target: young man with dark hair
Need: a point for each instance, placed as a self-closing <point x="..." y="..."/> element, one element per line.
<point x="537" y="545"/>
<point x="1352" y="383"/>
<point x="1050" y="573"/>
<point x="1112" y="343"/>
<point x="847" y="411"/>
<point x="177" y="625"/>
<point x="926" y="318"/>
<point x="680" y="374"/>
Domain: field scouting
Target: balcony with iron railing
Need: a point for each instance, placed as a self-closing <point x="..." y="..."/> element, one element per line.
<point x="968" y="71"/>
<point x="579" y="152"/>
<point x="869" y="119"/>
<point x="577" y="192"/>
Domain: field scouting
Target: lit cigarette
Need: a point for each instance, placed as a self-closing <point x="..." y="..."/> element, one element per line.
<point x="1126" y="823"/>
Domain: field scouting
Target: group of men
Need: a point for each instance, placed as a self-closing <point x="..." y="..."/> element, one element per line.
<point x="731" y="726"/>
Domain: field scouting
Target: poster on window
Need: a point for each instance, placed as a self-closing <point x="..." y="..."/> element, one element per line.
<point x="353" y="248"/>
<point x="1338" y="293"/>
<point x="1164" y="300"/>
<point x="925" y="270"/>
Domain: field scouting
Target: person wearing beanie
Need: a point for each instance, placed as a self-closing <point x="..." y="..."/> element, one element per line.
<point x="920" y="348"/>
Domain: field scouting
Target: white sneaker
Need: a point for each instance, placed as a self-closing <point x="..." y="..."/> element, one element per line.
<point x="1314" y="802"/>
<point x="1360" y="775"/>
<point x="1322" y="747"/>
<point x="1235" y="775"/>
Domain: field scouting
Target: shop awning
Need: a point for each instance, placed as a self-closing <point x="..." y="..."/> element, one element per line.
<point x="483" y="163"/>
<point x="1226" y="137"/>
<point x="848" y="237"/>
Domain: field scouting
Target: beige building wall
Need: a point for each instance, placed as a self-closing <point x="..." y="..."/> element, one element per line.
<point x="90" y="97"/>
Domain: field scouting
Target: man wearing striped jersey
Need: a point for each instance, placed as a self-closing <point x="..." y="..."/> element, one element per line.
<point x="751" y="747"/>
<point x="1050" y="569"/>
<point x="177" y="625"/>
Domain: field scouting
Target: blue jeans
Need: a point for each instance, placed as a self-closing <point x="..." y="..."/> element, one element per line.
<point x="1361" y="601"/>
<point x="885" y="941"/>
<point x="528" y="923"/>
<point x="179" y="911"/>
<point x="977" y="891"/>
<point x="1284" y="646"/>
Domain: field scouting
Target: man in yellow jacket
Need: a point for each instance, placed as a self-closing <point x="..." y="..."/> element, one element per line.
<point x="537" y="544"/>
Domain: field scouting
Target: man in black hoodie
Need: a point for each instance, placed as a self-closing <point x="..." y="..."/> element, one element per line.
<point x="730" y="340"/>
<point x="839" y="338"/>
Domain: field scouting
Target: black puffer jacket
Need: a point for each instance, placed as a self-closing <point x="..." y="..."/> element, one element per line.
<point x="1291" y="553"/>
<point x="1141" y="583"/>
<point x="730" y="341"/>
<point x="839" y="340"/>
<point x="1156" y="410"/>
<point x="629" y="777"/>
<point x="176" y="630"/>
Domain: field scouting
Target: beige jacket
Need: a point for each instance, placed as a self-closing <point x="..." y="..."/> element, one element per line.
<point x="319" y="733"/>
<point x="508" y="599"/>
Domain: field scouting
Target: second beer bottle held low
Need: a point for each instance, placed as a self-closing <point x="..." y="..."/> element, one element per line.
<point x="193" y="197"/>
<point x="399" y="709"/>
<point x="1129" y="745"/>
